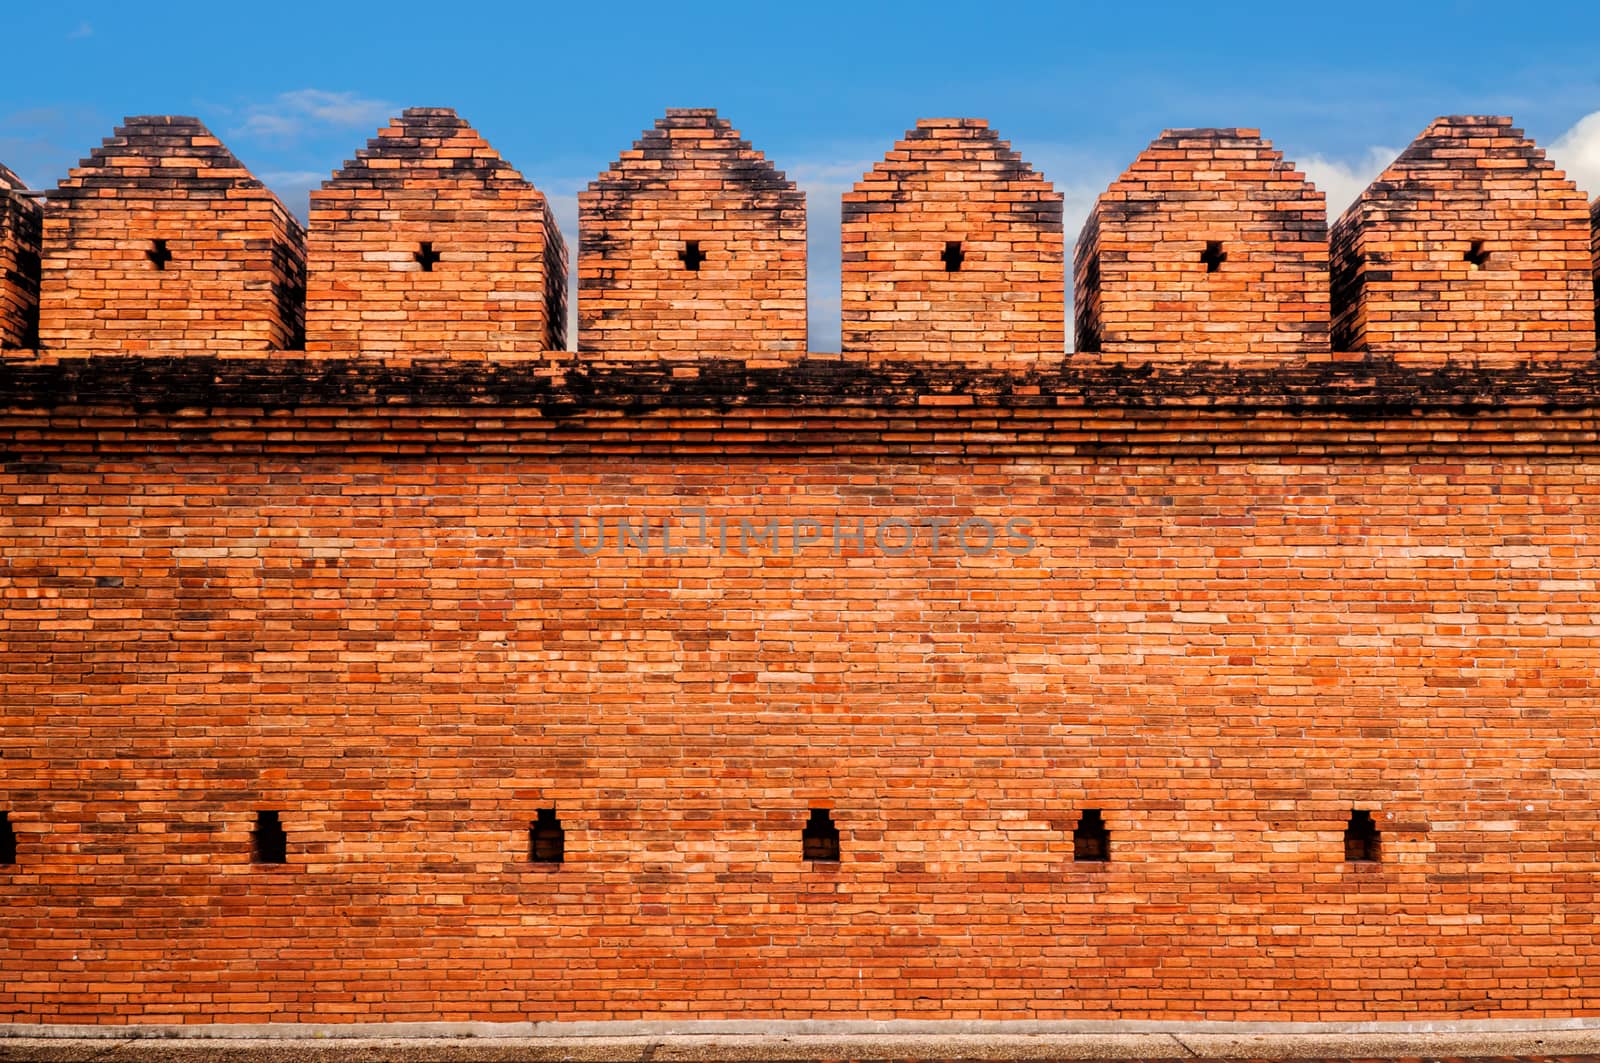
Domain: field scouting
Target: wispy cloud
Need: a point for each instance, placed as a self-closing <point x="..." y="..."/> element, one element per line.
<point x="1577" y="151"/>
<point x="308" y="110"/>
<point x="1342" y="180"/>
<point x="79" y="32"/>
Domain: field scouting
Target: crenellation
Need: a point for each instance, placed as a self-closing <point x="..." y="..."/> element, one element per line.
<point x="692" y="245"/>
<point x="1210" y="245"/>
<point x="952" y="250"/>
<point x="162" y="240"/>
<point x="428" y="241"/>
<point x="1470" y="245"/>
<point x="691" y="242"/>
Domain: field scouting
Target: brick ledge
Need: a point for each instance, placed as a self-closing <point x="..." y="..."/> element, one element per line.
<point x="1350" y="386"/>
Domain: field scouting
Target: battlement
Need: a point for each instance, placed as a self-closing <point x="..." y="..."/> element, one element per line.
<point x="429" y="241"/>
<point x="1210" y="246"/>
<point x="691" y="241"/>
<point x="952" y="251"/>
<point x="1471" y="243"/>
<point x="161" y="239"/>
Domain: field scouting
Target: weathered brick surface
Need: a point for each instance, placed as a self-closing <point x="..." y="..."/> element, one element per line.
<point x="1470" y="245"/>
<point x="691" y="181"/>
<point x="1211" y="245"/>
<point x="428" y="241"/>
<point x="952" y="251"/>
<point x="163" y="191"/>
<point x="1245" y="614"/>
<point x="19" y="263"/>
<point x="1594" y="229"/>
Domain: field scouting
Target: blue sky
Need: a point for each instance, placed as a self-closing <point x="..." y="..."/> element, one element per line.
<point x="824" y="89"/>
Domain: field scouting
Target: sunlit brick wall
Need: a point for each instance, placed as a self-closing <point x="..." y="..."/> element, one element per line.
<point x="952" y="251"/>
<point x="427" y="241"/>
<point x="1470" y="244"/>
<point x="691" y="242"/>
<point x="1209" y="245"/>
<point x="162" y="240"/>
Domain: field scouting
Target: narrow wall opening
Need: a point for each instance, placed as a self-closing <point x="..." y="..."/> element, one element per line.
<point x="820" y="839"/>
<point x="268" y="842"/>
<point x="1091" y="841"/>
<point x="547" y="842"/>
<point x="1361" y="838"/>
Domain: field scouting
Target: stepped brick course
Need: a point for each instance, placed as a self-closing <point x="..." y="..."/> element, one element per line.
<point x="952" y="250"/>
<point x="20" y="222"/>
<point x="1211" y="245"/>
<point x="1471" y="244"/>
<point x="428" y="241"/>
<point x="691" y="243"/>
<point x="162" y="240"/>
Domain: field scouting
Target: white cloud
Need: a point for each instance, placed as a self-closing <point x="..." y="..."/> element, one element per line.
<point x="82" y="30"/>
<point x="1340" y="181"/>
<point x="1577" y="151"/>
<point x="295" y="113"/>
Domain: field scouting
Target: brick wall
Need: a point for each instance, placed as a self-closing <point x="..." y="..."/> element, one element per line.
<point x="161" y="240"/>
<point x="1239" y="622"/>
<point x="428" y="241"/>
<point x="1594" y="216"/>
<point x="691" y="242"/>
<point x="1470" y="245"/>
<point x="19" y="263"/>
<point x="1209" y="245"/>
<point x="952" y="250"/>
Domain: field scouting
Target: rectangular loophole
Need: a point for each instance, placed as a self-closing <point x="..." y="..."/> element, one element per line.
<point x="8" y="840"/>
<point x="1091" y="841"/>
<point x="547" y="842"/>
<point x="820" y="839"/>
<point x="268" y="842"/>
<point x="1361" y="838"/>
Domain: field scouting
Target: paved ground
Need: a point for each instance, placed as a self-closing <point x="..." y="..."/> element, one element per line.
<point x="172" y="1046"/>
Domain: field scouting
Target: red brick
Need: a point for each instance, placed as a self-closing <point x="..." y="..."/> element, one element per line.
<point x="236" y="274"/>
<point x="691" y="178"/>
<point x="1209" y="246"/>
<point x="1405" y="280"/>
<point x="499" y="283"/>
<point x="20" y="221"/>
<point x="953" y="181"/>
